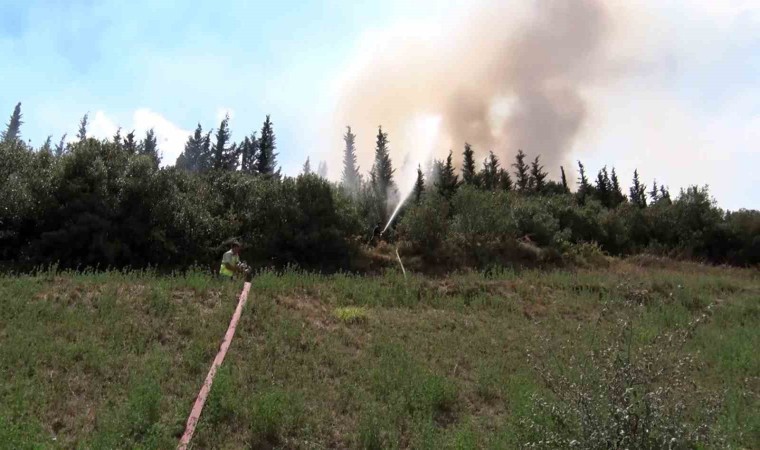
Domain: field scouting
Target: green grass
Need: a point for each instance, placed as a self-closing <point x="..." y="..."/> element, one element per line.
<point x="115" y="359"/>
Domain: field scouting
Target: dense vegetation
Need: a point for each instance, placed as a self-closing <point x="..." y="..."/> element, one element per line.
<point x="94" y="203"/>
<point x="646" y="354"/>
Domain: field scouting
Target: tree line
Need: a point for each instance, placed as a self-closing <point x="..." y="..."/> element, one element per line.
<point x="108" y="203"/>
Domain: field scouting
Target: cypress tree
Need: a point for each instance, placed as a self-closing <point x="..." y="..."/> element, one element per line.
<point x="12" y="131"/>
<point x="206" y="162"/>
<point x="522" y="172"/>
<point x="469" y="176"/>
<point x="583" y="186"/>
<point x="47" y="147"/>
<point x="665" y="195"/>
<point x="537" y="176"/>
<point x="419" y="185"/>
<point x="149" y="147"/>
<point x="564" y="180"/>
<point x="224" y="157"/>
<point x="248" y="151"/>
<point x="638" y="191"/>
<point x="322" y="169"/>
<point x="654" y="194"/>
<point x="267" y="158"/>
<point x="82" y="133"/>
<point x="60" y="148"/>
<point x="190" y="158"/>
<point x="448" y="181"/>
<point x="434" y="169"/>
<point x="351" y="179"/>
<point x="505" y="180"/>
<point x="490" y="174"/>
<point x="117" y="137"/>
<point x="617" y="192"/>
<point x="604" y="188"/>
<point x="307" y="167"/>
<point x="383" y="169"/>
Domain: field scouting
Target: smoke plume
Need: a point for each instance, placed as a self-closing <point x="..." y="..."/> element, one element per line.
<point x="502" y="78"/>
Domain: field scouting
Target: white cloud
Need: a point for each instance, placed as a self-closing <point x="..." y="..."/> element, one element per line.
<point x="101" y="126"/>
<point x="171" y="138"/>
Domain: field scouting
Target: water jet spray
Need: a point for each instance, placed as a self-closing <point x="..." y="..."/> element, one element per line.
<point x="422" y="137"/>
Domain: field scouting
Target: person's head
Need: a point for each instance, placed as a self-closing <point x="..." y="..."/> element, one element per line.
<point x="235" y="247"/>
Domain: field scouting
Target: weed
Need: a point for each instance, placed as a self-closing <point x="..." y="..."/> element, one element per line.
<point x="622" y="397"/>
<point x="352" y="314"/>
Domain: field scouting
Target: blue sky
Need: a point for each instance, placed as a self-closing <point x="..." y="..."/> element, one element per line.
<point x="172" y="64"/>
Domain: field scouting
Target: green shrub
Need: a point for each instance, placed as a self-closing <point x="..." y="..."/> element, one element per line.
<point x="425" y="227"/>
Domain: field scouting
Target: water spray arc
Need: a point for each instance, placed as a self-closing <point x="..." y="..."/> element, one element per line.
<point x="422" y="137"/>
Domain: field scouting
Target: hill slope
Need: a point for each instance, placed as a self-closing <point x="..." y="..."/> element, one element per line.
<point x="468" y="361"/>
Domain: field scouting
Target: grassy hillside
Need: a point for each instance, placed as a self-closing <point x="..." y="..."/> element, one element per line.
<point x="638" y="354"/>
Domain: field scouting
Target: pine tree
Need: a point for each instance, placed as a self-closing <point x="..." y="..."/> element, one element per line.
<point x="522" y="172"/>
<point x="12" y="131"/>
<point x="117" y="137"/>
<point x="47" y="147"/>
<point x="322" y="169"/>
<point x="654" y="194"/>
<point x="505" y="180"/>
<point x="191" y="156"/>
<point x="307" y="167"/>
<point x="129" y="143"/>
<point x="489" y="176"/>
<point x="383" y="169"/>
<point x="149" y="147"/>
<point x="469" y="176"/>
<point x="448" y="180"/>
<point x="617" y="192"/>
<point x="564" y="180"/>
<point x="60" y="148"/>
<point x="248" y="150"/>
<point x="419" y="185"/>
<point x="537" y="176"/>
<point x="267" y="158"/>
<point x="224" y="157"/>
<point x="82" y="134"/>
<point x="351" y="179"/>
<point x="206" y="161"/>
<point x="583" y="185"/>
<point x="638" y="191"/>
<point x="604" y="188"/>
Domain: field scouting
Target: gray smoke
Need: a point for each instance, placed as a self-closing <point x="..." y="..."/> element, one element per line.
<point x="501" y="79"/>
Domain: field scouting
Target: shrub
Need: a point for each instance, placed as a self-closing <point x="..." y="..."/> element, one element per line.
<point x="621" y="396"/>
<point x="425" y="227"/>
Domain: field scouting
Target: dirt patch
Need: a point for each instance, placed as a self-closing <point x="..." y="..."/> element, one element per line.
<point x="313" y="311"/>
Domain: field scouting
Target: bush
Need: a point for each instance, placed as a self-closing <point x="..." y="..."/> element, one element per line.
<point x="102" y="205"/>
<point x="621" y="396"/>
<point x="425" y="226"/>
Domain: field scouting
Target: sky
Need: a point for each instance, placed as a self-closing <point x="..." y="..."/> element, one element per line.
<point x="676" y="93"/>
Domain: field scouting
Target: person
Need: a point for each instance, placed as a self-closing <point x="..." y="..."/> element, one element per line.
<point x="231" y="261"/>
<point x="376" y="234"/>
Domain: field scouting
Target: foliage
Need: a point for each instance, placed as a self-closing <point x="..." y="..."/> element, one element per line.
<point x="351" y="179"/>
<point x="108" y="203"/>
<point x="621" y="396"/>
